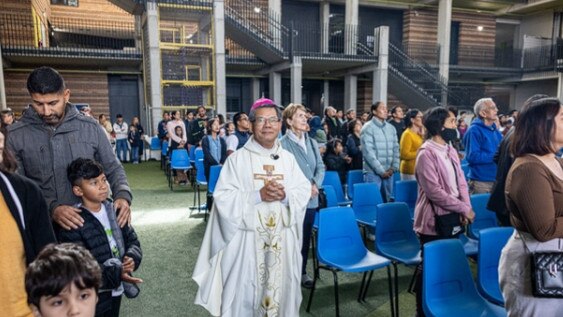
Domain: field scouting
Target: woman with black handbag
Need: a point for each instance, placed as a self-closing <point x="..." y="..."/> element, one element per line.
<point x="531" y="263"/>
<point x="306" y="152"/>
<point x="443" y="207"/>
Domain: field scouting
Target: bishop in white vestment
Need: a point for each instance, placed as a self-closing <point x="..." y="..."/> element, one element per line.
<point x="250" y="262"/>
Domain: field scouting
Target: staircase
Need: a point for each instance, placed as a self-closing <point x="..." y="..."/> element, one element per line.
<point x="257" y="30"/>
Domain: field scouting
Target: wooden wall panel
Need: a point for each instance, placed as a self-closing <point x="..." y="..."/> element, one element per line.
<point x="92" y="10"/>
<point x="84" y="88"/>
<point x="476" y="48"/>
<point x="364" y="98"/>
<point x="17" y="22"/>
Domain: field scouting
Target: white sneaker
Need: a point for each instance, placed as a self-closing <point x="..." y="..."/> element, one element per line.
<point x="371" y="236"/>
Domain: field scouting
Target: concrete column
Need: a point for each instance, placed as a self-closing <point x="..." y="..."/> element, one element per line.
<point x="3" y="104"/>
<point x="350" y="92"/>
<point x="220" y="66"/>
<point x="275" y="87"/>
<point x="326" y="95"/>
<point x="275" y="10"/>
<point x="351" y="27"/>
<point x="154" y="71"/>
<point x="255" y="88"/>
<point x="560" y="86"/>
<point x="324" y="25"/>
<point x="444" y="33"/>
<point x="296" y="80"/>
<point x="381" y="48"/>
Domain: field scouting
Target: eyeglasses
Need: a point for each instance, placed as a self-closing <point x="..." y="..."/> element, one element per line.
<point x="263" y="120"/>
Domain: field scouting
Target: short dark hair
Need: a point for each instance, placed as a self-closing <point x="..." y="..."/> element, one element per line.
<point x="119" y="115"/>
<point x="83" y="168"/>
<point x="352" y="124"/>
<point x="434" y="120"/>
<point x="209" y="124"/>
<point x="331" y="145"/>
<point x="409" y="116"/>
<point x="394" y="109"/>
<point x="237" y="117"/>
<point x="375" y="106"/>
<point x="453" y="110"/>
<point x="535" y="127"/>
<point x="45" y="80"/>
<point x="56" y="267"/>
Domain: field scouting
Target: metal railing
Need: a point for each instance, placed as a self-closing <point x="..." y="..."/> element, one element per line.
<point x="68" y="37"/>
<point x="263" y="24"/>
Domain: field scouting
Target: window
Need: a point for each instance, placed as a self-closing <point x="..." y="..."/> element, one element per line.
<point x="70" y="3"/>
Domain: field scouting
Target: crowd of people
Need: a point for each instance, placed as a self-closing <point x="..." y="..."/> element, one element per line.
<point x="59" y="168"/>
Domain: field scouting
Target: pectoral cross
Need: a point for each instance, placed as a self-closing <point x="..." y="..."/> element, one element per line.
<point x="269" y="174"/>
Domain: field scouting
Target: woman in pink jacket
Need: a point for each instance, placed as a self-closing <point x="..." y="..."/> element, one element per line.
<point x="442" y="188"/>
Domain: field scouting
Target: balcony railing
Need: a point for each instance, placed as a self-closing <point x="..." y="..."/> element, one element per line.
<point x="68" y="37"/>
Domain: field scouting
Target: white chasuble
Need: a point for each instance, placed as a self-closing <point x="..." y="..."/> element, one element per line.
<point x="250" y="258"/>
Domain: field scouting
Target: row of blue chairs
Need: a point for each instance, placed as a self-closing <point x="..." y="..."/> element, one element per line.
<point x="448" y="286"/>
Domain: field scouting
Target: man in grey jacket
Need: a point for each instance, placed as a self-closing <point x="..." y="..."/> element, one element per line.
<point x="380" y="150"/>
<point x="50" y="135"/>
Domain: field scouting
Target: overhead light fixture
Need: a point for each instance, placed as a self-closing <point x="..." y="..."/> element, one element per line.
<point x="257" y="9"/>
<point x="480" y="28"/>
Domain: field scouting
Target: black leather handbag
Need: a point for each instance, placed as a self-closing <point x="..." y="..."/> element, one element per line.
<point x="546" y="272"/>
<point x="322" y="199"/>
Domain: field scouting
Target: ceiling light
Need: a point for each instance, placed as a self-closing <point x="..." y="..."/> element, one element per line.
<point x="480" y="28"/>
<point x="257" y="9"/>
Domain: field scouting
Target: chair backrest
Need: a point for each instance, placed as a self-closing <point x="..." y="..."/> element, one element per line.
<point x="192" y="153"/>
<point x="396" y="177"/>
<point x="200" y="173"/>
<point x="491" y="242"/>
<point x="354" y="177"/>
<point x="331" y="200"/>
<point x="164" y="149"/>
<point x="366" y="198"/>
<point x="214" y="172"/>
<point x="155" y="143"/>
<point x="198" y="154"/>
<point x="332" y="179"/>
<point x="484" y="218"/>
<point x="394" y="224"/>
<point x="339" y="238"/>
<point x="446" y="275"/>
<point x="179" y="159"/>
<point x="407" y="192"/>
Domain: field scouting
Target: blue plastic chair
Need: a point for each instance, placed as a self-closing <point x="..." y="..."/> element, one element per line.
<point x="164" y="157"/>
<point x="490" y="246"/>
<point x="332" y="179"/>
<point x="214" y="172"/>
<point x="354" y="177"/>
<point x="192" y="154"/>
<point x="340" y="248"/>
<point x="470" y="246"/>
<point x="366" y="198"/>
<point x="448" y="287"/>
<point x="198" y="154"/>
<point x="484" y="218"/>
<point x="330" y="202"/>
<point x="200" y="180"/>
<point x="154" y="146"/>
<point x="395" y="239"/>
<point x="179" y="160"/>
<point x="407" y="192"/>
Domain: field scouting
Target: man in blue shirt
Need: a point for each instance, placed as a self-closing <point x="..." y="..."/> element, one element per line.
<point x="481" y="142"/>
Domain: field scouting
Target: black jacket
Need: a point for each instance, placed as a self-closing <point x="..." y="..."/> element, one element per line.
<point x="504" y="160"/>
<point x="93" y="237"/>
<point x="38" y="230"/>
<point x="208" y="159"/>
<point x="336" y="163"/>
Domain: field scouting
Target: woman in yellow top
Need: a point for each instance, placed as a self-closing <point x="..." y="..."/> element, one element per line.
<point x="411" y="140"/>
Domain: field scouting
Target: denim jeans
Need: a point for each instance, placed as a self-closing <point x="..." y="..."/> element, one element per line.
<point x="121" y="149"/>
<point x="385" y="185"/>
<point x="135" y="154"/>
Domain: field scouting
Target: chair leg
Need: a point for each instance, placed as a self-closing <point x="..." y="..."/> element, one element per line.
<point x="310" y="301"/>
<point x="316" y="274"/>
<point x="336" y="292"/>
<point x="362" y="285"/>
<point x="391" y="299"/>
<point x="365" y="293"/>
<point x="396" y="287"/>
<point x="413" y="279"/>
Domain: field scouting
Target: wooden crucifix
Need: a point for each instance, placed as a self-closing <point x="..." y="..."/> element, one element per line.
<point x="269" y="174"/>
